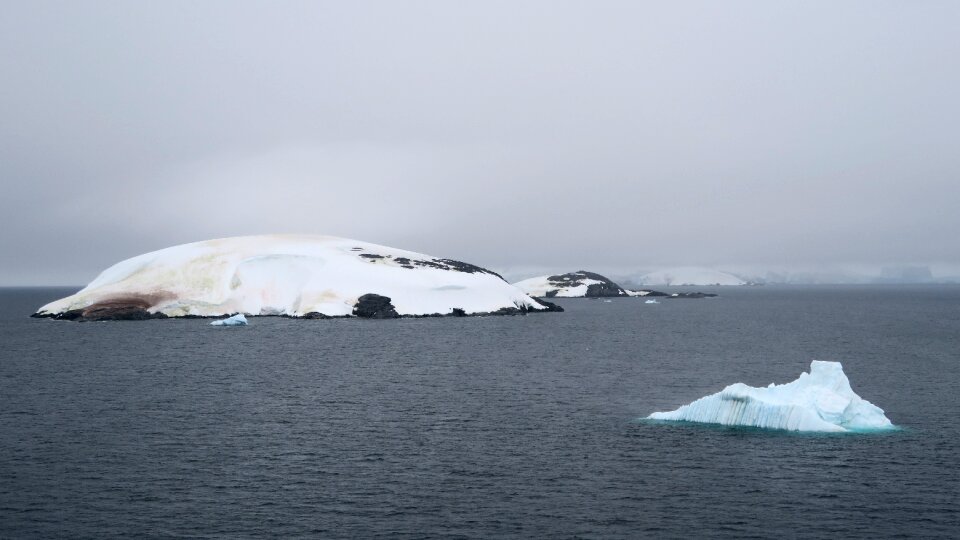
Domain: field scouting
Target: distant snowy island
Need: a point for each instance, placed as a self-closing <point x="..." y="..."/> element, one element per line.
<point x="688" y="276"/>
<point x="802" y="275"/>
<point x="584" y="284"/>
<point x="291" y="275"/>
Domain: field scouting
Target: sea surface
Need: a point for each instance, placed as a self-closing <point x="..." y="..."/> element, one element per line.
<point x="494" y="427"/>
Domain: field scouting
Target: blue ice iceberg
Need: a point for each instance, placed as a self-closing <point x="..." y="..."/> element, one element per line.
<point x="236" y="320"/>
<point x="819" y="401"/>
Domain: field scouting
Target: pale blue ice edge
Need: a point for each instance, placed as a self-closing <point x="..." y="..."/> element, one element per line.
<point x="773" y="432"/>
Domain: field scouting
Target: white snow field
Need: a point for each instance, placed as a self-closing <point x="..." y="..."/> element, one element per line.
<point x="292" y="275"/>
<point x="236" y="320"/>
<point x="689" y="276"/>
<point x="819" y="401"/>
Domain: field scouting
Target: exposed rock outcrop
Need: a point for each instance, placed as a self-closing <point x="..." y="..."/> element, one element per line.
<point x="375" y="306"/>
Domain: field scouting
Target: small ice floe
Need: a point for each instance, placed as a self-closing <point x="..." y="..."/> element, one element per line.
<point x="607" y="301"/>
<point x="236" y="320"/>
<point x="819" y="401"/>
<point x="651" y="301"/>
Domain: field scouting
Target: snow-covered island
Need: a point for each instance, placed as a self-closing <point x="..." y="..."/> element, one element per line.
<point x="583" y="284"/>
<point x="291" y="275"/>
<point x="579" y="284"/>
<point x="690" y="276"/>
<point x="819" y="401"/>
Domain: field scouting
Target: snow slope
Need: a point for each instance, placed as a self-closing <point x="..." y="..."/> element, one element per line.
<point x="291" y="275"/>
<point x="689" y="276"/>
<point x="821" y="400"/>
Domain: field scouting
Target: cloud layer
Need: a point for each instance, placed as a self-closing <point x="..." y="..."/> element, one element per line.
<point x="536" y="134"/>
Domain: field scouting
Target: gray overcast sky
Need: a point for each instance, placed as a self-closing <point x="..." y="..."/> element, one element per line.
<point x="508" y="134"/>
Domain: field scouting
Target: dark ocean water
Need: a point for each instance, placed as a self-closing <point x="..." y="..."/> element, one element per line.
<point x="477" y="427"/>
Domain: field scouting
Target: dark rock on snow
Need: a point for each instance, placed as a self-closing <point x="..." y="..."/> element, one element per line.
<point x="549" y="305"/>
<point x="316" y="315"/>
<point x="606" y="287"/>
<point x="651" y="293"/>
<point x="374" y="306"/>
<point x="444" y="264"/>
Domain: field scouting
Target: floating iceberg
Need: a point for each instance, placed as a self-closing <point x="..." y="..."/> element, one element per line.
<point x="819" y="401"/>
<point x="236" y="320"/>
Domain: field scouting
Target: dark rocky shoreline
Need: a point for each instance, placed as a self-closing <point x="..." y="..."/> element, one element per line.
<point x="368" y="306"/>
